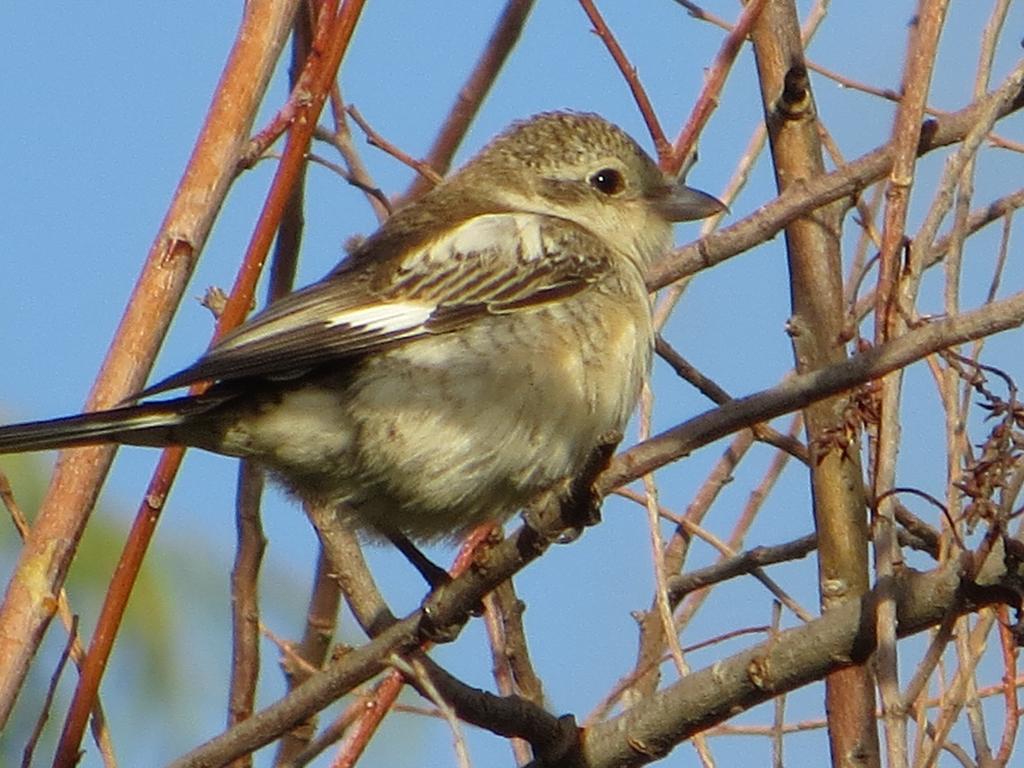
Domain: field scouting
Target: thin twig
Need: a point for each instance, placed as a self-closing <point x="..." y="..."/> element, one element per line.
<point x="376" y="140"/>
<point x="98" y="722"/>
<point x="245" y="609"/>
<point x="471" y="95"/>
<point x="713" y="84"/>
<point x="413" y="669"/>
<point x="629" y="73"/>
<point x="51" y="692"/>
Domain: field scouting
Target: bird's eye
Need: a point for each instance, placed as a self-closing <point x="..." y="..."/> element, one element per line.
<point x="608" y="180"/>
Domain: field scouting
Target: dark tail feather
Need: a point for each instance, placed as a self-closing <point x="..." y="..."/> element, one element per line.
<point x="146" y="424"/>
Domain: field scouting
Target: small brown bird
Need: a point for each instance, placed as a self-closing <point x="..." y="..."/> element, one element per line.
<point x="466" y="357"/>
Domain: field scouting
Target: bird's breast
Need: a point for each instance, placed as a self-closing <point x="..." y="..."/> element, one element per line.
<point x="439" y="434"/>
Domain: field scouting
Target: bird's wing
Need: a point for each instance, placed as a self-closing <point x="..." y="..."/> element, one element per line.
<point x="491" y="264"/>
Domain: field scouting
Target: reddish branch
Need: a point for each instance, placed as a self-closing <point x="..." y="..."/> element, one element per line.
<point x="329" y="45"/>
<point x="44" y="560"/>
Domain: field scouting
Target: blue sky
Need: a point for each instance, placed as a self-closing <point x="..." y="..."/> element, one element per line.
<point x="103" y="105"/>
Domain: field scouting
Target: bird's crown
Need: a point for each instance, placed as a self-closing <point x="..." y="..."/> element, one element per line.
<point x="563" y="138"/>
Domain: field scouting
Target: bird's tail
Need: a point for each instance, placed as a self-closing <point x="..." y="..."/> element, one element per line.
<point x="151" y="424"/>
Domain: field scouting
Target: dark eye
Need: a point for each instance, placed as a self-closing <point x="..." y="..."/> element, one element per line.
<point x="608" y="180"/>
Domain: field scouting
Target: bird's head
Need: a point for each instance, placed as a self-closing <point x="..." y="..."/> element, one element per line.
<point x="581" y="167"/>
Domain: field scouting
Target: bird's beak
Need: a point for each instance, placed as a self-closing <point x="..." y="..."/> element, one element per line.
<point x="681" y="203"/>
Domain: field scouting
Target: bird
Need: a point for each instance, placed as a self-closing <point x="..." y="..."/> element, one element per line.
<point x="459" y="362"/>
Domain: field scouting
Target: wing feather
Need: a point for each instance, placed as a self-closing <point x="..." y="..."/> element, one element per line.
<point x="493" y="263"/>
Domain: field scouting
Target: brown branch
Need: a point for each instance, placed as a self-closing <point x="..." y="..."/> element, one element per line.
<point x="654" y="630"/>
<point x="356" y="174"/>
<point x="377" y="706"/>
<point x="114" y="604"/>
<point x="510" y="657"/>
<point x="551" y="737"/>
<point x="379" y="201"/>
<point x="998" y="209"/>
<point x="357" y="583"/>
<point x="798" y="391"/>
<point x="711" y="390"/>
<point x="245" y="608"/>
<point x="739" y="565"/>
<point x="977" y="219"/>
<point x="251" y="540"/>
<point x="285" y="261"/>
<point x="334" y="731"/>
<point x="348" y="567"/>
<point x="511" y="608"/>
<point x="310" y="653"/>
<point x="1009" y="647"/>
<point x="889" y="94"/>
<point x="891" y="302"/>
<point x="728" y="549"/>
<point x="738" y="535"/>
<point x="815" y="329"/>
<point x="905" y="140"/>
<point x="844" y="636"/>
<point x="300" y="80"/>
<point x="329" y="45"/>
